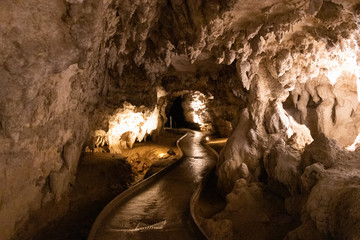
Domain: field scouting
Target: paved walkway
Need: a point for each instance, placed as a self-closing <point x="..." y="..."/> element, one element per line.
<point x="161" y="210"/>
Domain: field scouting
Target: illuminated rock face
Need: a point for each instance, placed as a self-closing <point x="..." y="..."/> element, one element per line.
<point x="68" y="67"/>
<point x="195" y="110"/>
<point x="129" y="124"/>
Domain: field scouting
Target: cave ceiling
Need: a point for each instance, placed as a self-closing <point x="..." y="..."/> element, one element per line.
<point x="149" y="41"/>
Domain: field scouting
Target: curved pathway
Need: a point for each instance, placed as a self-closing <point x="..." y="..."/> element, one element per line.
<point x="160" y="210"/>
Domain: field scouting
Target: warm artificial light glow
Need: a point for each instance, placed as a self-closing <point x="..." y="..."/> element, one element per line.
<point x="198" y="105"/>
<point x="333" y="75"/>
<point x="197" y="119"/>
<point x="129" y="124"/>
<point x="218" y="141"/>
<point x="161" y="155"/>
<point x="342" y="59"/>
<point x="356" y="142"/>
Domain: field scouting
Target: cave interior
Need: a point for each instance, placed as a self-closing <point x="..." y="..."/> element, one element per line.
<point x="280" y="79"/>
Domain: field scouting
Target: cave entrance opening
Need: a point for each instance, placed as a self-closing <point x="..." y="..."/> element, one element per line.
<point x="176" y="116"/>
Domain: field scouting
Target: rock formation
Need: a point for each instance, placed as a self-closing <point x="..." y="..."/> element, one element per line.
<point x="281" y="74"/>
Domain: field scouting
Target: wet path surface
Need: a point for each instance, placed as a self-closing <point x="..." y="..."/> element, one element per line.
<point x="161" y="210"/>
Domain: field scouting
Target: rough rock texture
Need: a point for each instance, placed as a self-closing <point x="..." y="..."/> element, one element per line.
<point x="250" y="213"/>
<point x="66" y="67"/>
<point x="329" y="192"/>
<point x="50" y="84"/>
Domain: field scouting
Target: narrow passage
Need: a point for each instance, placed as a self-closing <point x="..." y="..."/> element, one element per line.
<point x="161" y="210"/>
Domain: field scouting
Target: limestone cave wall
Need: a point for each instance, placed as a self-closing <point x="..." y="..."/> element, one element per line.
<point x="51" y="82"/>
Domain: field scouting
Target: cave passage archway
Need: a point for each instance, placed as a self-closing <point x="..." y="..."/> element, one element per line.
<point x="175" y="113"/>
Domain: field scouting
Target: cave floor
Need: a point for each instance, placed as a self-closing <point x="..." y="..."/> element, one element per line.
<point x="100" y="178"/>
<point x="161" y="210"/>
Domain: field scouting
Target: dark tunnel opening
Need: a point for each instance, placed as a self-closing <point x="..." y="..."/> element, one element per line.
<point x="175" y="113"/>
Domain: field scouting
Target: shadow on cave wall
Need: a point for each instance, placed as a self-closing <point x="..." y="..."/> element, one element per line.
<point x="311" y="120"/>
<point x="176" y="112"/>
<point x="99" y="179"/>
